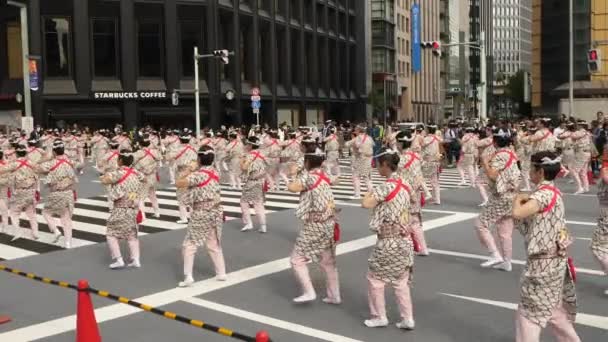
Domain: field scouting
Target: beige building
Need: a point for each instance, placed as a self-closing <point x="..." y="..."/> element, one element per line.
<point x="426" y="84"/>
<point x="404" y="51"/>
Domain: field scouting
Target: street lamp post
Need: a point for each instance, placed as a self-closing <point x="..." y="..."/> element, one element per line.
<point x="571" y="76"/>
<point x="25" y="52"/>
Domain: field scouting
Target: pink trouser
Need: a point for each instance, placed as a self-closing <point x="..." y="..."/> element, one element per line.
<point x="375" y="296"/>
<point x="357" y="185"/>
<point x="327" y="263"/>
<point x="30" y="212"/>
<point x="416" y="229"/>
<point x="504" y="230"/>
<point x="260" y="212"/>
<point x="66" y="223"/>
<point x="235" y="180"/>
<point x="213" y="249"/>
<point x="482" y="190"/>
<point x="115" y="248"/>
<point x="4" y="213"/>
<point x="436" y="190"/>
<point x="561" y="326"/>
<point x="581" y="173"/>
<point x="471" y="174"/>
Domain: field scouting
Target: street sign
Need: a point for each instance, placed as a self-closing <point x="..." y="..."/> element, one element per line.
<point x="256" y="105"/>
<point x="256" y="111"/>
<point x="27" y="124"/>
<point x="230" y="95"/>
<point x="255" y="91"/>
<point x="256" y="98"/>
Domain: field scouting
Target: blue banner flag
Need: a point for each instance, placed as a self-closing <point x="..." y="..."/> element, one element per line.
<point x="416" y="49"/>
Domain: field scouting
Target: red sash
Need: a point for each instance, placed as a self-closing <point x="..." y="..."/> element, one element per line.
<point x="130" y="171"/>
<point x="59" y="162"/>
<point x="556" y="193"/>
<point x="233" y="146"/>
<point x="274" y="142"/>
<point x="148" y="153"/>
<point x="212" y="176"/>
<point x="512" y="158"/>
<point x="256" y="155"/>
<point x="546" y="136"/>
<point x="332" y="137"/>
<point x="114" y="154"/>
<point x="433" y="139"/>
<point x="413" y="156"/>
<point x="400" y="186"/>
<point x="364" y="139"/>
<point x="23" y="163"/>
<point x="293" y="141"/>
<point x="188" y="147"/>
<point x="322" y="177"/>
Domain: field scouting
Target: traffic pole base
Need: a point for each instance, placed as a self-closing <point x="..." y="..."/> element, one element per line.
<point x="4" y="319"/>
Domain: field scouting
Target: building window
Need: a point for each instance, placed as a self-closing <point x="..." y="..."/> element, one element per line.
<point x="105" y="51"/>
<point x="190" y="35"/>
<point x="15" y="60"/>
<point x="149" y="50"/>
<point x="57" y="47"/>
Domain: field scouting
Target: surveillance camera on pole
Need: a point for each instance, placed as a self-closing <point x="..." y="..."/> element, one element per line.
<point x="175" y="98"/>
<point x="223" y="55"/>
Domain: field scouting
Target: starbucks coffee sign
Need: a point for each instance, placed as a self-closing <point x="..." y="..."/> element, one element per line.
<point x="130" y="95"/>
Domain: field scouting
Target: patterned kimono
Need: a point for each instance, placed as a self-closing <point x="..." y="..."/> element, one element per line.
<point x="410" y="167"/>
<point x="125" y="190"/>
<point x="546" y="282"/>
<point x="469" y="151"/>
<point x="567" y="145"/>
<point x="364" y="151"/>
<point x="101" y="147"/>
<point x="332" y="150"/>
<point x="546" y="142"/>
<point x="71" y="149"/>
<point x="503" y="189"/>
<point x="219" y="146"/>
<point x="599" y="243"/>
<point x="393" y="255"/>
<point x="430" y="156"/>
<point x="291" y="151"/>
<point x="61" y="180"/>
<point x="184" y="159"/>
<point x="24" y="181"/>
<point x="317" y="211"/>
<point x="253" y="191"/>
<point x="34" y="155"/>
<point x="582" y="149"/>
<point x="146" y="162"/>
<point x="207" y="212"/>
<point x="124" y="143"/>
<point x="523" y="151"/>
<point x="233" y="155"/>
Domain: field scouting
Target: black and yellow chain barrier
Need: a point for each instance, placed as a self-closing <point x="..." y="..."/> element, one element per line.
<point x="144" y="307"/>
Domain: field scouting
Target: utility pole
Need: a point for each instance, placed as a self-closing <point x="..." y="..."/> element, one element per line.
<point x="25" y="52"/>
<point x="483" y="113"/>
<point x="571" y="78"/>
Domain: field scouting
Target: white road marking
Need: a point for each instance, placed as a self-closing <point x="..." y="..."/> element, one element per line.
<point x="516" y="262"/>
<point x="594" y="321"/>
<point x="114" y="311"/>
<point x="251" y="316"/>
<point x="9" y="252"/>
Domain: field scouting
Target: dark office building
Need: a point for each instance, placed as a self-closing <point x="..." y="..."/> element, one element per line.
<point x="480" y="19"/>
<point x="107" y="61"/>
<point x="552" y="64"/>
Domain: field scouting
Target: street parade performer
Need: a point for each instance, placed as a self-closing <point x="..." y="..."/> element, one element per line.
<point x="205" y="226"/>
<point x="125" y="190"/>
<point x="253" y="165"/>
<point x="503" y="177"/>
<point x="392" y="259"/>
<point x="320" y="232"/>
<point x="547" y="289"/>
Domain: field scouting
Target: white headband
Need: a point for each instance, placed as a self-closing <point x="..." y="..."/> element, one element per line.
<point x="405" y="138"/>
<point x="549" y="161"/>
<point x="207" y="152"/>
<point x="318" y="152"/>
<point x="387" y="151"/>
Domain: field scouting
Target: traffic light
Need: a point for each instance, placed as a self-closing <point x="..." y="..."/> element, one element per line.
<point x="435" y="45"/>
<point x="594" y="60"/>
<point x="223" y="55"/>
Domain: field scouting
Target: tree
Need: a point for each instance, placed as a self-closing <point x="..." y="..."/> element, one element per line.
<point x="376" y="100"/>
<point x="515" y="91"/>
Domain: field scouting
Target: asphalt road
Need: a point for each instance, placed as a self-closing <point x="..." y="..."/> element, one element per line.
<point x="454" y="299"/>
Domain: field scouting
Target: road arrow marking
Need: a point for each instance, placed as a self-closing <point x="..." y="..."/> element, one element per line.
<point x="595" y="321"/>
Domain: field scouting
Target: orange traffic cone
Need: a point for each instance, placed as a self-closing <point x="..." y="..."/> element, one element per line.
<point x="86" y="324"/>
<point x="4" y="319"/>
